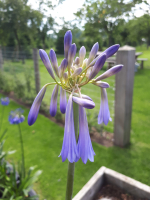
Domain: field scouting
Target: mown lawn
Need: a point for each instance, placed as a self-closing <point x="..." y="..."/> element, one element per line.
<point x="43" y="143"/>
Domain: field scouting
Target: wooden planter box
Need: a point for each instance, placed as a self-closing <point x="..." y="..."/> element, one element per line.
<point x="108" y="176"/>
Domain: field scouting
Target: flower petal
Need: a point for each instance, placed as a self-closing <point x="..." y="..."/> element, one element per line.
<point x="46" y="61"/>
<point x="77" y="61"/>
<point x="83" y="96"/>
<point x="109" y="72"/>
<point x="97" y="67"/>
<point x="76" y="72"/>
<point x="111" y="50"/>
<point x="104" y="114"/>
<point x="93" y="52"/>
<point x="85" y="149"/>
<point x="69" y="147"/>
<point x="84" y="102"/>
<point x="63" y="67"/>
<point x="53" y="59"/>
<point x="53" y="104"/>
<point x="36" y="106"/>
<point x="71" y="54"/>
<point x="67" y="42"/>
<point x="82" y="54"/>
<point x="63" y="100"/>
<point x="101" y="84"/>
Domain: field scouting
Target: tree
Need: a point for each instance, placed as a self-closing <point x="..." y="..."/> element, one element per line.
<point x="18" y="20"/>
<point x="105" y="16"/>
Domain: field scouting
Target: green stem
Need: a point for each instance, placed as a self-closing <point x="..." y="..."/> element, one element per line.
<point x="71" y="166"/>
<point x="22" y="152"/>
<point x="2" y="115"/>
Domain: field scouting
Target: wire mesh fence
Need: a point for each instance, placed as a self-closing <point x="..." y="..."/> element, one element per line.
<point x="18" y="77"/>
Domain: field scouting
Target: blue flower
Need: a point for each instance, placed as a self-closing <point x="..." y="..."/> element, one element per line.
<point x="16" y="117"/>
<point x="5" y="101"/>
<point x="73" y="74"/>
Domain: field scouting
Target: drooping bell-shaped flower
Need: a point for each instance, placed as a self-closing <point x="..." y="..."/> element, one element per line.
<point x="63" y="100"/>
<point x="46" y="61"/>
<point x="53" y="104"/>
<point x="53" y="59"/>
<point x="97" y="67"/>
<point x="67" y="43"/>
<point x="69" y="147"/>
<point x="36" y="106"/>
<point x="110" y="72"/>
<point x="101" y="84"/>
<point x="85" y="149"/>
<point x="84" y="102"/>
<point x="104" y="114"/>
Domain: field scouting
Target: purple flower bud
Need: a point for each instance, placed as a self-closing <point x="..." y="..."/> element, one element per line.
<point x="84" y="147"/>
<point x="93" y="53"/>
<point x="65" y="76"/>
<point x="63" y="100"/>
<point x="77" y="61"/>
<point x="63" y="67"/>
<point x="97" y="67"/>
<point x="83" y="96"/>
<point x="36" y="106"/>
<point x="101" y="84"/>
<point x="69" y="147"/>
<point x="109" y="72"/>
<point x="45" y="59"/>
<point x="77" y="72"/>
<point x="53" y="59"/>
<point x="82" y="54"/>
<point x="53" y="104"/>
<point x="71" y="54"/>
<point x="67" y="43"/>
<point x="111" y="50"/>
<point x="84" y="102"/>
<point x="104" y="114"/>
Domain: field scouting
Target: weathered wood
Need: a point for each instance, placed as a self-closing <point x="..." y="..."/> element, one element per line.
<point x="123" y="96"/>
<point x="1" y="59"/>
<point x="142" y="62"/>
<point x="36" y="70"/>
<point x="108" y="176"/>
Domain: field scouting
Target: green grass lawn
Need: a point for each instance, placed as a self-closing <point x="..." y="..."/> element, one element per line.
<point x="43" y="142"/>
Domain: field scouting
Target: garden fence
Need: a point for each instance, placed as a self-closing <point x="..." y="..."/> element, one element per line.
<point x="21" y="75"/>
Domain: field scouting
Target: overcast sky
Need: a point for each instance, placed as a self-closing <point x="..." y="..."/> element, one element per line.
<point x="68" y="7"/>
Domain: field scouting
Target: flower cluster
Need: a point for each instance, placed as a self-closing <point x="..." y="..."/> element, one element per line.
<point x="5" y="101"/>
<point x="16" y="117"/>
<point x="73" y="74"/>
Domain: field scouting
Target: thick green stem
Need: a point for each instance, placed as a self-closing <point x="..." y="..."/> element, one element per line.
<point x="22" y="152"/>
<point x="2" y="115"/>
<point x="71" y="166"/>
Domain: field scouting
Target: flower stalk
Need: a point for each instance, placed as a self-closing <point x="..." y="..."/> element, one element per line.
<point x="71" y="166"/>
<point x="22" y="152"/>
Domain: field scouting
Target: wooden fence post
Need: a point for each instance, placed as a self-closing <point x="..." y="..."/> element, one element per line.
<point x="36" y="70"/>
<point x="1" y="59"/>
<point x="123" y="95"/>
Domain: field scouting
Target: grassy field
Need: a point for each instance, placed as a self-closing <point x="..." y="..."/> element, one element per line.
<point x="43" y="143"/>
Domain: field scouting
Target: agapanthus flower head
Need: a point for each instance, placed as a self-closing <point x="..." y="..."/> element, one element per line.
<point x="5" y="101"/>
<point x="74" y="73"/>
<point x="16" y="116"/>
